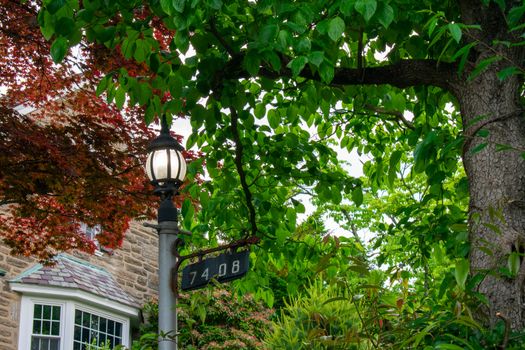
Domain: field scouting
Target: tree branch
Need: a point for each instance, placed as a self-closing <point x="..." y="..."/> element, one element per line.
<point x="217" y="35"/>
<point x="240" y="169"/>
<point x="402" y="74"/>
<point x="397" y="114"/>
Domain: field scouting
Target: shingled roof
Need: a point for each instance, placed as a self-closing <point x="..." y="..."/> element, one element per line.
<point x="71" y="272"/>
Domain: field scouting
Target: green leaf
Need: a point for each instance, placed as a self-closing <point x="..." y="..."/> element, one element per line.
<point x="507" y="72"/>
<point x="182" y="40"/>
<point x="46" y="25"/>
<point x="284" y="38"/>
<point x="127" y="48"/>
<point x="336" y="27"/>
<point x="478" y="148"/>
<point x="120" y="97"/>
<point x="165" y="5"/>
<point x="513" y="263"/>
<point x="346" y="7"/>
<point x="482" y="66"/>
<point x="260" y="110"/>
<point x="252" y="62"/>
<point x="366" y="8"/>
<point x="141" y="50"/>
<point x="297" y="65"/>
<point x="64" y="26"/>
<point x="273" y="59"/>
<point x="175" y="84"/>
<point x="357" y="195"/>
<point x="515" y="15"/>
<point x="455" y="31"/>
<point x="385" y="15"/>
<point x="178" y="5"/>
<point x="463" y="53"/>
<point x="303" y="45"/>
<point x="483" y="133"/>
<point x="268" y="33"/>
<point x="101" y="87"/>
<point x="327" y="72"/>
<point x="59" y="49"/>
<point x="215" y="4"/>
<point x="107" y="34"/>
<point x="55" y="5"/>
<point x="273" y="118"/>
<point x="316" y="58"/>
<point x="461" y="272"/>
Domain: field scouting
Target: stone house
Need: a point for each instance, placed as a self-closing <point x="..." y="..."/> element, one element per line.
<point x="81" y="298"/>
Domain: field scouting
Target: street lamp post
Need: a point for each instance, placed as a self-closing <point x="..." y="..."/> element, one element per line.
<point x="166" y="169"/>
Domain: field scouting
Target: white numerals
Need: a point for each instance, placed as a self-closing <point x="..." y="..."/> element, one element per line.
<point x="205" y="274"/>
<point x="222" y="270"/>
<point x="236" y="266"/>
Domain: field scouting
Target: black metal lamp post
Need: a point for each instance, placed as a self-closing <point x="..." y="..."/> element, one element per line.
<point x="166" y="169"/>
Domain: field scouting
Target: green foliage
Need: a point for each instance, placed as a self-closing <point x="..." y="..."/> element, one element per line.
<point x="321" y="319"/>
<point x="361" y="313"/>
<point x="211" y="320"/>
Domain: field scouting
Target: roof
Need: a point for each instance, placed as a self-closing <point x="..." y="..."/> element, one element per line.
<point x="71" y="272"/>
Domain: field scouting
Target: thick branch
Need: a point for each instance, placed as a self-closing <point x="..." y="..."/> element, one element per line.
<point x="403" y="74"/>
<point x="240" y="169"/>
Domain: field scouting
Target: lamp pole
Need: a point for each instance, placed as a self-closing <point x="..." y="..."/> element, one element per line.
<point x="166" y="169"/>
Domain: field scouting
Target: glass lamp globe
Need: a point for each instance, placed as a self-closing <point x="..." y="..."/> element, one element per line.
<point x="165" y="162"/>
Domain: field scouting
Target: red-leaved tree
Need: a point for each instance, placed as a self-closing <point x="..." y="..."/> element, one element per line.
<point x="66" y="156"/>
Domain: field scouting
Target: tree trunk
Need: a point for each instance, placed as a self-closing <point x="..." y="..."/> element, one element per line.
<point x="497" y="186"/>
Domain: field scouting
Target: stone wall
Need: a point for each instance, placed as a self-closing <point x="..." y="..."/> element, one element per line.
<point x="134" y="267"/>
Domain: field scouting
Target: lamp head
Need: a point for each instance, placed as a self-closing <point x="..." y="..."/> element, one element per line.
<point x="165" y="165"/>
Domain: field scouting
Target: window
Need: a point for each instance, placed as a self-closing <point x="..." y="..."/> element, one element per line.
<point x="91" y="233"/>
<point x="91" y="329"/>
<point x="46" y="327"/>
<point x="49" y="324"/>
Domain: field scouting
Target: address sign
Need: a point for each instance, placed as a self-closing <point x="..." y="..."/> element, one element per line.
<point x="223" y="268"/>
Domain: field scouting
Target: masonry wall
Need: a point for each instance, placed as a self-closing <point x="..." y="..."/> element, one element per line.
<point x="134" y="267"/>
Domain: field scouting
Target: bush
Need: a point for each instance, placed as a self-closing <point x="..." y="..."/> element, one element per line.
<point x="211" y="320"/>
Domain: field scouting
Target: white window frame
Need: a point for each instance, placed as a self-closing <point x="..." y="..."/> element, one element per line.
<point x="69" y="300"/>
<point x="26" y="320"/>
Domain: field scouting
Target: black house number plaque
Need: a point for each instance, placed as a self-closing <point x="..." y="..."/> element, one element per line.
<point x="223" y="268"/>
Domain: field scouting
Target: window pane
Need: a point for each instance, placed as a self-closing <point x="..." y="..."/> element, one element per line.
<point x="47" y="312"/>
<point x="78" y="317"/>
<point x="41" y="343"/>
<point x="54" y="344"/>
<point x="38" y="311"/>
<point x="46" y="327"/>
<point x="56" y="313"/>
<point x="103" y="325"/>
<point x="35" y="344"/>
<point x="102" y="339"/>
<point x="77" y="333"/>
<point x="37" y="327"/>
<point x="85" y="336"/>
<point x="55" y="328"/>
<point x="99" y="330"/>
<point x="94" y="322"/>
<point x="86" y="319"/>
